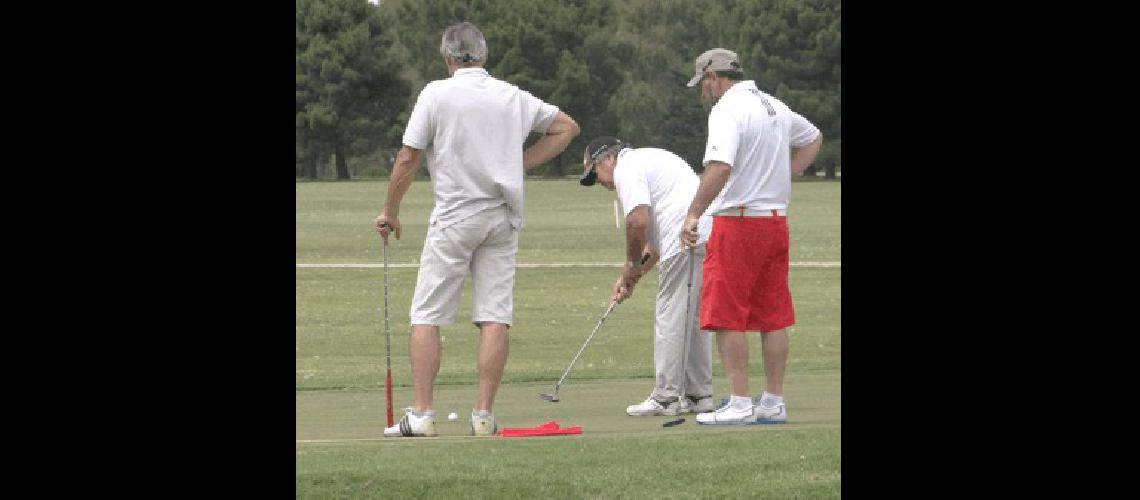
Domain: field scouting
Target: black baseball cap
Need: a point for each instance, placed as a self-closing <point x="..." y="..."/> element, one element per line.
<point x="594" y="150"/>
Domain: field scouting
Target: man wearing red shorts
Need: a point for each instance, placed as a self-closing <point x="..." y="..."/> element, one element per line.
<point x="755" y="145"/>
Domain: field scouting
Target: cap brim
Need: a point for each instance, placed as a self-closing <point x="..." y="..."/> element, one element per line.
<point x="695" y="80"/>
<point x="588" y="178"/>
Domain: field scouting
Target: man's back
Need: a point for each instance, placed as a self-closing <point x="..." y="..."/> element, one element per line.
<point x="472" y="127"/>
<point x="753" y="132"/>
<point x="667" y="183"/>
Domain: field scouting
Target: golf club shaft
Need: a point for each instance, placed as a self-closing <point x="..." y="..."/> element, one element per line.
<point x="681" y="398"/>
<point x="644" y="259"/>
<point x="387" y="340"/>
<point x="583" y="348"/>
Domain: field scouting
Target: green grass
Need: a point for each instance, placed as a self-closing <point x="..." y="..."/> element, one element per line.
<point x="616" y="456"/>
<point x="340" y="365"/>
<point x="564" y="222"/>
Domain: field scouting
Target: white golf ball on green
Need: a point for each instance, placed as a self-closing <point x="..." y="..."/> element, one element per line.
<point x="451" y="417"/>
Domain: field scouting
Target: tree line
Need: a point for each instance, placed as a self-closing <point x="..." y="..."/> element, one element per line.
<point x="619" y="67"/>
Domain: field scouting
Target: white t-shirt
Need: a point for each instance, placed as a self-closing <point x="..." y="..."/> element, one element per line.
<point x="472" y="128"/>
<point x="666" y="184"/>
<point x="753" y="132"/>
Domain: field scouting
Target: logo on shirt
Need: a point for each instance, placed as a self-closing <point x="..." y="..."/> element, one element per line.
<point x="714" y="148"/>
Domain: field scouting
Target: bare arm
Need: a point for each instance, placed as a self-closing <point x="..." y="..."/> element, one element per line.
<point x="653" y="257"/>
<point x="563" y="130"/>
<point x="640" y="257"/>
<point x="712" y="181"/>
<point x="636" y="235"/>
<point x="636" y="249"/>
<point x="803" y="156"/>
<point x="403" y="172"/>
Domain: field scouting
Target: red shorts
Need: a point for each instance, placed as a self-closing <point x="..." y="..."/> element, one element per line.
<point x="745" y="284"/>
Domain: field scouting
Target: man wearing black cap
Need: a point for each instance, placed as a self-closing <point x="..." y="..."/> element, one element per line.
<point x="755" y="145"/>
<point x="655" y="187"/>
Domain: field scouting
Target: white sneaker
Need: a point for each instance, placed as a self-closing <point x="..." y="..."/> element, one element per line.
<point x="727" y="415"/>
<point x="769" y="412"/>
<point x="702" y="405"/>
<point x="411" y="425"/>
<point x="483" y="425"/>
<point x="651" y="407"/>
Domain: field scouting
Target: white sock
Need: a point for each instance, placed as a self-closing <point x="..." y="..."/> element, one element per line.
<point x="740" y="402"/>
<point x="481" y="413"/>
<point x="771" y="399"/>
<point x="422" y="414"/>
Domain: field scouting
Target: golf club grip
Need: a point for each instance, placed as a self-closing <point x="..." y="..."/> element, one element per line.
<point x="388" y="399"/>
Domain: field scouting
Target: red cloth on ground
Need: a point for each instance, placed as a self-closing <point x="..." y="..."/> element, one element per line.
<point x="548" y="429"/>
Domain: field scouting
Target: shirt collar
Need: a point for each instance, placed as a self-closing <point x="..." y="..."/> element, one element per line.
<point x="474" y="71"/>
<point x="745" y="85"/>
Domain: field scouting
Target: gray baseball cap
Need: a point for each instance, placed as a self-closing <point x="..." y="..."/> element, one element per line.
<point x="715" y="60"/>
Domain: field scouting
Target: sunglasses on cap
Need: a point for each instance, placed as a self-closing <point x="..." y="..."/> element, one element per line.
<point x="590" y="163"/>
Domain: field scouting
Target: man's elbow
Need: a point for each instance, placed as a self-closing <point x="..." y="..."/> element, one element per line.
<point x="635" y="226"/>
<point x="573" y="128"/>
<point x="409" y="156"/>
<point x="637" y="221"/>
<point x="816" y="144"/>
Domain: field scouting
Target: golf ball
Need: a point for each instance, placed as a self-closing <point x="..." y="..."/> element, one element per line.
<point x="451" y="417"/>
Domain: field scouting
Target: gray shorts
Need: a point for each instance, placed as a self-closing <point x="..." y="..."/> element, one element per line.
<point x="484" y="244"/>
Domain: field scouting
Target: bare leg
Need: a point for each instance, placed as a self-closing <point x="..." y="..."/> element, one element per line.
<point x="426" y="352"/>
<point x="733" y="348"/>
<point x="494" y="346"/>
<point x="775" y="348"/>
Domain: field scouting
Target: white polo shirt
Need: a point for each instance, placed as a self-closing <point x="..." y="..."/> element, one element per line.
<point x="667" y="184"/>
<point x="753" y="132"/>
<point x="472" y="128"/>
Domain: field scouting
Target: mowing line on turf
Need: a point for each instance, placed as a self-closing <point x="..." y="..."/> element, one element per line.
<point x="533" y="265"/>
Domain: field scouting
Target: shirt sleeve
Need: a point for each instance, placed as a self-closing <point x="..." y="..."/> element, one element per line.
<point x="418" y="134"/>
<point x="724" y="137"/>
<point x="803" y="132"/>
<point x="538" y="114"/>
<point x="632" y="185"/>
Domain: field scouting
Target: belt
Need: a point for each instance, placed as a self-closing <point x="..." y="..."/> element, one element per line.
<point x="752" y="212"/>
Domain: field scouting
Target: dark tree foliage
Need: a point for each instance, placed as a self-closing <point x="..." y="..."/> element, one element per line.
<point x="618" y="67"/>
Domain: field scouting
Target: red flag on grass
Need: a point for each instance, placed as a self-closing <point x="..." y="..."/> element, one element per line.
<point x="548" y="429"/>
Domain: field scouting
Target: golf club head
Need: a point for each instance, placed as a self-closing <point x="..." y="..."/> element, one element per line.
<point x="553" y="398"/>
<point x="673" y="423"/>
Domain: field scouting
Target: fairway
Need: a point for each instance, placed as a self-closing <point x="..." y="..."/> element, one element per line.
<point x="569" y="249"/>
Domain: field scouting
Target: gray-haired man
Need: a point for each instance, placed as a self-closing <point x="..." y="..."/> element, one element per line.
<point x="472" y="127"/>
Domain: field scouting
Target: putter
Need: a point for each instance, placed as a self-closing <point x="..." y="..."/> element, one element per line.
<point x="682" y="399"/>
<point x="387" y="335"/>
<point x="553" y="398"/>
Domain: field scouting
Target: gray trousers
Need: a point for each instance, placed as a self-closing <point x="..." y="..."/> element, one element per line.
<point x="672" y="290"/>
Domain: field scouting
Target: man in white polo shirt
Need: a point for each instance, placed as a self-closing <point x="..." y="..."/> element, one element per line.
<point x="472" y="128"/>
<point x="655" y="187"/>
<point x="755" y="145"/>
